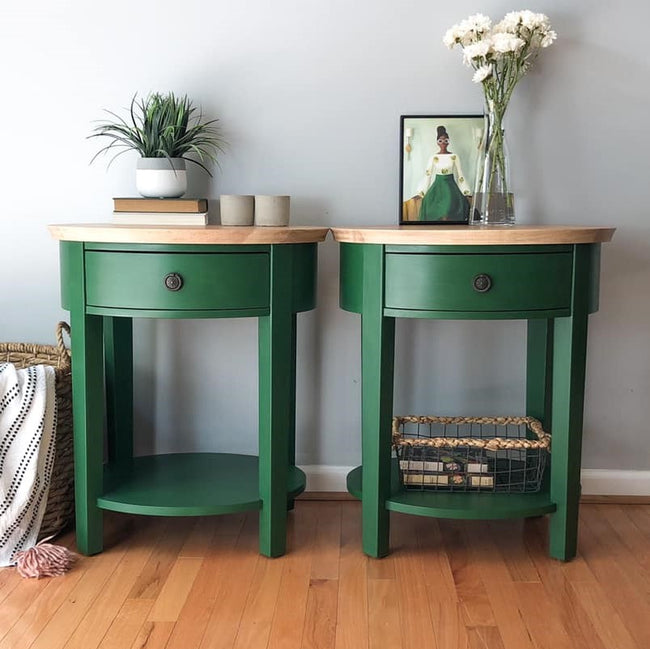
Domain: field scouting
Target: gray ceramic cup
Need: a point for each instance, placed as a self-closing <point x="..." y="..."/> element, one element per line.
<point x="272" y="210"/>
<point x="237" y="209"/>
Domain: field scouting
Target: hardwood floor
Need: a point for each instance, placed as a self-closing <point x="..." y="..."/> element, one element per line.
<point x="200" y="584"/>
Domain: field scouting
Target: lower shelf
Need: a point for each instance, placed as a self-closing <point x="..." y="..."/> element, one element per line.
<point x="188" y="484"/>
<point x="464" y="505"/>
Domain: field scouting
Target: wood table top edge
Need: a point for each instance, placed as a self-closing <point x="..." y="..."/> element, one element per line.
<point x="474" y="235"/>
<point x="187" y="234"/>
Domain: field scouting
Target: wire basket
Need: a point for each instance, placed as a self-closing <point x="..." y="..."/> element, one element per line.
<point x="495" y="454"/>
<point x="59" y="512"/>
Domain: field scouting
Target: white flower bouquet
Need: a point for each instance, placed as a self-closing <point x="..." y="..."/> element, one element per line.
<point x="500" y="55"/>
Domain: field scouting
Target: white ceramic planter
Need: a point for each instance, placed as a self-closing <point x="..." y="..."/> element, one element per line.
<point x="161" y="177"/>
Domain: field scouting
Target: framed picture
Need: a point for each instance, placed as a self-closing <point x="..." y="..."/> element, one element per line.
<point x="438" y="160"/>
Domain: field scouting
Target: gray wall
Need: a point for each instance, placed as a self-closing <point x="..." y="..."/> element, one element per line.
<point x="310" y="94"/>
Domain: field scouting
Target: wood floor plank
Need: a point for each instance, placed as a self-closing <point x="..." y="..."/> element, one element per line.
<point x="127" y="624"/>
<point x="98" y="618"/>
<point x="469" y="585"/>
<point x="154" y="635"/>
<point x="96" y="573"/>
<point x="607" y="623"/>
<point x="17" y="601"/>
<point x="609" y="561"/>
<point x="195" y="614"/>
<point x="558" y="578"/>
<point x="540" y="617"/>
<point x="383" y="615"/>
<point x="498" y="579"/>
<point x="199" y="540"/>
<point x="352" y="630"/>
<point x="629" y="534"/>
<point x="175" y="590"/>
<point x="445" y="585"/>
<point x="416" y="627"/>
<point x="255" y="625"/>
<point x="36" y="616"/>
<point x="319" y="631"/>
<point x="291" y="608"/>
<point x="328" y="542"/>
<point x="172" y="536"/>
<point x="513" y="549"/>
<point x="239" y="564"/>
<point x="484" y="637"/>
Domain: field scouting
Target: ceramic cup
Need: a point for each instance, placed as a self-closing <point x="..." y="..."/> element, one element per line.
<point x="272" y="210"/>
<point x="237" y="209"/>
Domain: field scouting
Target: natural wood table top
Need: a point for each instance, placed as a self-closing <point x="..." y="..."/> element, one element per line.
<point x="188" y="234"/>
<point x="463" y="235"/>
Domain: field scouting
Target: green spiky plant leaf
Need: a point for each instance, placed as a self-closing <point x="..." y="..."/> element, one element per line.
<point x="162" y="126"/>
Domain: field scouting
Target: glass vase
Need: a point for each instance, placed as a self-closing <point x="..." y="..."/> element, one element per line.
<point x="493" y="200"/>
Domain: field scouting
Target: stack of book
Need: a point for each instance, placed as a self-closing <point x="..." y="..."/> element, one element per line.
<point x="160" y="211"/>
<point x="455" y="471"/>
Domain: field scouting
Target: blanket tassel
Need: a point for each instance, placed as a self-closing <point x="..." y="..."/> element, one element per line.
<point x="44" y="560"/>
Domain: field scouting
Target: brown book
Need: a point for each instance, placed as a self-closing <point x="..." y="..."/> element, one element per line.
<point x="185" y="205"/>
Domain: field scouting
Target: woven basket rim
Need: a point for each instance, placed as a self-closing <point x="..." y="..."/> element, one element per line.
<point x="33" y="350"/>
<point x="543" y="440"/>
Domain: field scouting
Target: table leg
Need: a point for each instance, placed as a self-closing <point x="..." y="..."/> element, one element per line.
<point x="118" y="363"/>
<point x="377" y="364"/>
<point x="291" y="431"/>
<point x="275" y="334"/>
<point x="87" y="402"/>
<point x="569" y="361"/>
<point x="88" y="411"/>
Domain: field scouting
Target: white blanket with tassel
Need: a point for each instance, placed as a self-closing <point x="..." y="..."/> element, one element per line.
<point x="27" y="438"/>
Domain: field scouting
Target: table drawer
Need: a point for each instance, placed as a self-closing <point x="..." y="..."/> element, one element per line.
<point x="478" y="282"/>
<point x="177" y="281"/>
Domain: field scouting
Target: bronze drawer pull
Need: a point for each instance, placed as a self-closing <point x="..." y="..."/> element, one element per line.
<point x="482" y="283"/>
<point x="174" y="282"/>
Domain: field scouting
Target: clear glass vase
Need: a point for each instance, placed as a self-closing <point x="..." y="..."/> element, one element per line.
<point x="493" y="200"/>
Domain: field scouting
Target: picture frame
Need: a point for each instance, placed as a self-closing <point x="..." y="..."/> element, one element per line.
<point x="438" y="166"/>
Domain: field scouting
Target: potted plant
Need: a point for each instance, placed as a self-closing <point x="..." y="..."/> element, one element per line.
<point x="165" y="130"/>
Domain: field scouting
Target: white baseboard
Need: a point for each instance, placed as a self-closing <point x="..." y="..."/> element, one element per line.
<point x="595" y="482"/>
<point x="611" y="482"/>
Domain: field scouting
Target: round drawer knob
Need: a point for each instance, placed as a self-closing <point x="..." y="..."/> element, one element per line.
<point x="482" y="283"/>
<point x="174" y="282"/>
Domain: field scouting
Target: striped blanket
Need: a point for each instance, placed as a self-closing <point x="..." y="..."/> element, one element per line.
<point x="27" y="438"/>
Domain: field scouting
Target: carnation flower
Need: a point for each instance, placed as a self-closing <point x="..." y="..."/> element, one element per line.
<point x="482" y="73"/>
<point x="502" y="43"/>
<point x="476" y="51"/>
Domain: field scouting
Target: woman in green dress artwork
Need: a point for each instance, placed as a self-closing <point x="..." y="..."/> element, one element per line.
<point x="444" y="190"/>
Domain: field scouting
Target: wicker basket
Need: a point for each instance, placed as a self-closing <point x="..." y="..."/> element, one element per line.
<point x="59" y="512"/>
<point x="503" y="454"/>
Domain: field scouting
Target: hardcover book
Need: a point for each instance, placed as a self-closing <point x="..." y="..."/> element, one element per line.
<point x="182" y="205"/>
<point x="160" y="218"/>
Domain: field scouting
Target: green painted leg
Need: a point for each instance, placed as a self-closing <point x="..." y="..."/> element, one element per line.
<point x="538" y="370"/>
<point x="539" y="377"/>
<point x="275" y="382"/>
<point x="118" y="359"/>
<point x="87" y="401"/>
<point x="291" y="432"/>
<point x="88" y="411"/>
<point x="569" y="360"/>
<point x="377" y="362"/>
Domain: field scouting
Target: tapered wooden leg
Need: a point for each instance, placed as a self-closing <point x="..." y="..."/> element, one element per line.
<point x="377" y="364"/>
<point x="275" y="410"/>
